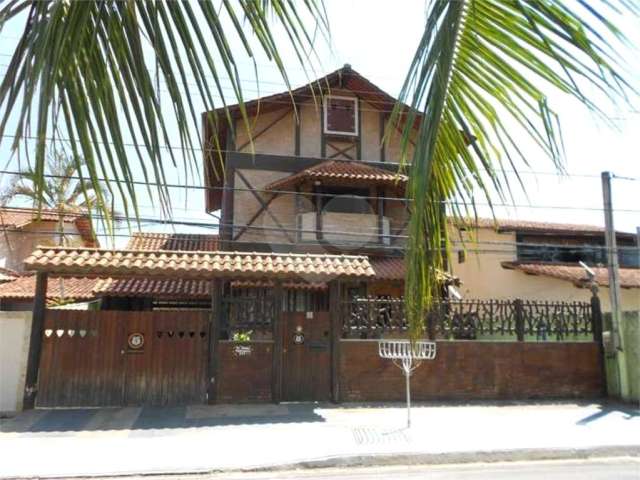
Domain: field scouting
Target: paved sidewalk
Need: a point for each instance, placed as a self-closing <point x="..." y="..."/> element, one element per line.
<point x="212" y="438"/>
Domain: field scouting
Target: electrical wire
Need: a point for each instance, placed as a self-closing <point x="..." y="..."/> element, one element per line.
<point x="324" y="195"/>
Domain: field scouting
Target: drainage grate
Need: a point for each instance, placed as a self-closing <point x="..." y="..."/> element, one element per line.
<point x="373" y="436"/>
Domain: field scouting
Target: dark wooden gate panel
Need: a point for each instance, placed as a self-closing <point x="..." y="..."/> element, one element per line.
<point x="306" y="366"/>
<point x="81" y="362"/>
<point x="170" y="368"/>
<point x="87" y="361"/>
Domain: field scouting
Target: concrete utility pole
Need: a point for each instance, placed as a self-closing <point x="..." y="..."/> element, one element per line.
<point x="638" y="244"/>
<point x="614" y="284"/>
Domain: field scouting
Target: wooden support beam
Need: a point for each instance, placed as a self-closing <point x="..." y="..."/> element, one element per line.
<point x="215" y="324"/>
<point x="382" y="129"/>
<point x="318" y="199"/>
<point x="380" y="193"/>
<point x="335" y="313"/>
<point x="277" y="334"/>
<point x="297" y="121"/>
<point x="264" y="205"/>
<point x="323" y="140"/>
<point x="264" y="130"/>
<point x="341" y="151"/>
<point x="254" y="217"/>
<point x="35" y="342"/>
<point x="226" y="230"/>
<point x="359" y="138"/>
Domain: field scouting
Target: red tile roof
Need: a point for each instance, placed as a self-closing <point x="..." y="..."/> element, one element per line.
<point x="18" y="218"/>
<point x="167" y="289"/>
<point x="7" y="274"/>
<point x="338" y="172"/>
<point x="196" y="265"/>
<point x="179" y="289"/>
<point x="183" y="242"/>
<point x="506" y="225"/>
<point x="388" y="268"/>
<point x="629" y="277"/>
<point x="24" y="287"/>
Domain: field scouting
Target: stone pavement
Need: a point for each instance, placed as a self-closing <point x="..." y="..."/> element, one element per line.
<point x="87" y="442"/>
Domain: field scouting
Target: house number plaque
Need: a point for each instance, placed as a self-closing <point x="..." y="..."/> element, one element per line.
<point x="242" y="350"/>
<point x="135" y="341"/>
<point x="298" y="338"/>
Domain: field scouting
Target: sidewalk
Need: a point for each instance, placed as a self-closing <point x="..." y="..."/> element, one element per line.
<point x="223" y="437"/>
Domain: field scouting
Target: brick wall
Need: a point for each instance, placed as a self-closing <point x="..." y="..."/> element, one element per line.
<point x="244" y="378"/>
<point x="474" y="370"/>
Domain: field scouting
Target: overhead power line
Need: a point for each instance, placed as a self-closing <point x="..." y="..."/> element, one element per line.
<point x="322" y="195"/>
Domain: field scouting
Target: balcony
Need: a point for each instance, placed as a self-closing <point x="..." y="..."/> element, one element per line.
<point x="344" y="228"/>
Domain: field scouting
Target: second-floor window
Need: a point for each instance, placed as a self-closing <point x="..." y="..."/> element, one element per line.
<point x="341" y="115"/>
<point x="591" y="251"/>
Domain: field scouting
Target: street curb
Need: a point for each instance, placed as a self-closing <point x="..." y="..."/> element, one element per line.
<point x="448" y="458"/>
<point x="386" y="460"/>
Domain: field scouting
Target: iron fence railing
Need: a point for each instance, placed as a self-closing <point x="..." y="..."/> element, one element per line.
<point x="472" y="319"/>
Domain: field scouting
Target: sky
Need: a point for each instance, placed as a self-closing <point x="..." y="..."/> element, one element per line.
<point x="378" y="38"/>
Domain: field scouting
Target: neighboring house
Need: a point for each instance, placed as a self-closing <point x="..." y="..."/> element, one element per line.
<point x="18" y="294"/>
<point x="23" y="229"/>
<point x="539" y="261"/>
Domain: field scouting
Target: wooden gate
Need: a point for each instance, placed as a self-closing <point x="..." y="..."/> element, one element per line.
<point x="114" y="358"/>
<point x="306" y="374"/>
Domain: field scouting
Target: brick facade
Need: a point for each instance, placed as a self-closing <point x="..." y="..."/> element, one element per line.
<point x="244" y="378"/>
<point x="474" y="370"/>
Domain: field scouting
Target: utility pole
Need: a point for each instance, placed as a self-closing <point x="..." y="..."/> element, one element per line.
<point x="638" y="244"/>
<point x="614" y="284"/>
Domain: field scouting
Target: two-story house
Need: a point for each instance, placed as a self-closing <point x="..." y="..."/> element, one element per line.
<point x="318" y="174"/>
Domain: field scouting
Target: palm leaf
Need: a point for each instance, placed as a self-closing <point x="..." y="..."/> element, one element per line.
<point x="477" y="85"/>
<point x="80" y="68"/>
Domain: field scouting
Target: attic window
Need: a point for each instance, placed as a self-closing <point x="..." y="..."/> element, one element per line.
<point x="341" y="115"/>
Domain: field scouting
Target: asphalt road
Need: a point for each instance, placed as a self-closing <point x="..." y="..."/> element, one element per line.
<point x="600" y="469"/>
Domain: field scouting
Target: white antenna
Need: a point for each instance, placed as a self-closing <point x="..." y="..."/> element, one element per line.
<point x="408" y="356"/>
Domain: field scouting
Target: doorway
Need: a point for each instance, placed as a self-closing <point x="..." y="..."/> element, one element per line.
<point x="306" y="366"/>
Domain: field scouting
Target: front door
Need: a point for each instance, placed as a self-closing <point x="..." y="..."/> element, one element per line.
<point x="306" y="374"/>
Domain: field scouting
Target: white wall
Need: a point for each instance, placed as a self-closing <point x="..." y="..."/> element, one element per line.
<point x="15" y="329"/>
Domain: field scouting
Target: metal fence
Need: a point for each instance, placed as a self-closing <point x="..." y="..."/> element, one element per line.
<point x="370" y="317"/>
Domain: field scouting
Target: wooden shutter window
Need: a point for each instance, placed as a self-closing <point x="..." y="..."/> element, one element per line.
<point x="341" y="115"/>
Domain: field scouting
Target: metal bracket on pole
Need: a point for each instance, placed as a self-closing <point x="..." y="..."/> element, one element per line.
<point x="407" y="356"/>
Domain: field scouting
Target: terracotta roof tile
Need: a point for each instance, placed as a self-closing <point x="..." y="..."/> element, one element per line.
<point x="507" y="225"/>
<point x="393" y="268"/>
<point x="179" y="289"/>
<point x="202" y="265"/>
<point x="629" y="277"/>
<point x="158" y="288"/>
<point x="7" y="274"/>
<point x="337" y="172"/>
<point x="24" y="287"/>
<point x="18" y="218"/>
<point x="184" y="242"/>
<point x="388" y="268"/>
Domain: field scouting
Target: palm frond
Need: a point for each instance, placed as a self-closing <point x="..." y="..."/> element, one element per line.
<point x="80" y="68"/>
<point x="477" y="86"/>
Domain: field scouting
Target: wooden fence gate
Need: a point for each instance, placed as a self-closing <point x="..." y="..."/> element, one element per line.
<point x="306" y="371"/>
<point x="114" y="358"/>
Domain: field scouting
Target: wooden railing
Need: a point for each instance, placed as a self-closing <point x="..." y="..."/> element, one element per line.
<point x="369" y="317"/>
